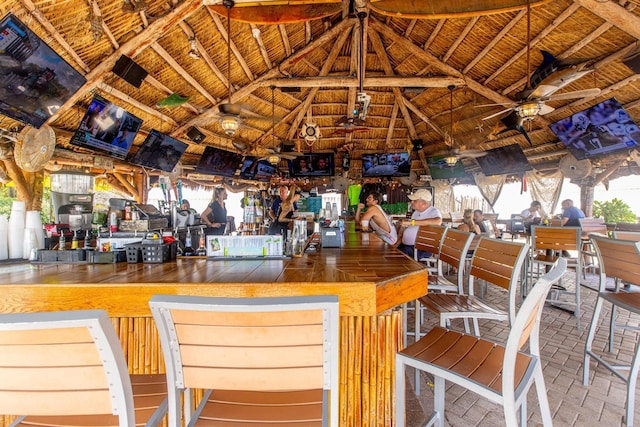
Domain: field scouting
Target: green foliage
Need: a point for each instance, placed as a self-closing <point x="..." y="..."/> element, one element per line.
<point x="613" y="211"/>
<point x="8" y="196"/>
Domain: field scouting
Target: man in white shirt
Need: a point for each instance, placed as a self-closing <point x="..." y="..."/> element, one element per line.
<point x="533" y="211"/>
<point x="423" y="213"/>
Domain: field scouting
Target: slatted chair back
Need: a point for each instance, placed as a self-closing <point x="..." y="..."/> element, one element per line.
<point x="68" y="368"/>
<point x="453" y="252"/>
<point x="499" y="263"/>
<point x="592" y="225"/>
<point x="627" y="235"/>
<point x="619" y="260"/>
<point x="429" y="238"/>
<point x="456" y="217"/>
<point x="555" y="238"/>
<point x="627" y="226"/>
<point x="261" y="359"/>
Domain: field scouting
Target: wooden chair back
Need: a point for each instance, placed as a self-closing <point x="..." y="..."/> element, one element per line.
<point x="429" y="238"/>
<point x="627" y="235"/>
<point x="456" y="217"/>
<point x="453" y="251"/>
<point x="499" y="263"/>
<point x="258" y="347"/>
<point x="555" y="238"/>
<point x="66" y="366"/>
<point x="592" y="225"/>
<point x="627" y="226"/>
<point x="619" y="259"/>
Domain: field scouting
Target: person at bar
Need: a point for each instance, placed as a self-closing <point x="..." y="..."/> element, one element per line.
<point x="468" y="223"/>
<point x="571" y="214"/>
<point x="215" y="215"/>
<point x="283" y="192"/>
<point x="533" y="213"/>
<point x="285" y="217"/>
<point x="478" y="218"/>
<point x="376" y="219"/>
<point x="423" y="213"/>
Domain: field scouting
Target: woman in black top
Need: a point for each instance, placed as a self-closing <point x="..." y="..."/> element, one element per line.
<point x="215" y="215"/>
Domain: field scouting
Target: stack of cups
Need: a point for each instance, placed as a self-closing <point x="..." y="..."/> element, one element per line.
<point x="16" y="230"/>
<point x="33" y="234"/>
<point x="4" y="231"/>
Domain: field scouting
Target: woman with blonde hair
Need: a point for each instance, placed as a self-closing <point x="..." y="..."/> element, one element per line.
<point x="467" y="222"/>
<point x="215" y="215"/>
<point x="284" y="216"/>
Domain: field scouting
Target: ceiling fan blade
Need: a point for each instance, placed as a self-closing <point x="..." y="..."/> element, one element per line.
<point x="471" y="154"/>
<point x="503" y="104"/>
<point x="497" y="114"/>
<point x="228" y="108"/>
<point x="587" y="93"/>
<point x="545" y="109"/>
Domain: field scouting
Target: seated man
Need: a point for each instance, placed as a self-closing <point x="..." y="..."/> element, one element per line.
<point x="423" y="213"/>
<point x="571" y="214"/>
<point x="478" y="218"/>
<point x="377" y="219"/>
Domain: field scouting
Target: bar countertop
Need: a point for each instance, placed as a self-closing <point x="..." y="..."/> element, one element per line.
<point x="368" y="276"/>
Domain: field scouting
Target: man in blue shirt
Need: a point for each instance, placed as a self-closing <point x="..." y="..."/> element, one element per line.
<point x="571" y="214"/>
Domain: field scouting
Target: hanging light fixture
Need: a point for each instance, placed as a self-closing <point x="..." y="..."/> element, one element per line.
<point x="273" y="158"/>
<point x="230" y="124"/>
<point x="528" y="110"/>
<point x="451" y="160"/>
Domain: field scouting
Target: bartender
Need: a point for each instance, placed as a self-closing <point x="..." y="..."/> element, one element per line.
<point x="215" y="215"/>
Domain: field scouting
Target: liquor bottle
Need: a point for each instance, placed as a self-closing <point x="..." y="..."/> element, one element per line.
<point x="188" y="245"/>
<point x="74" y="240"/>
<point x="87" y="239"/>
<point x="62" y="242"/>
<point x="202" y="249"/>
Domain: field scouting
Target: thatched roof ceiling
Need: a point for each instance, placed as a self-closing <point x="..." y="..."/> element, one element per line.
<point x="411" y="57"/>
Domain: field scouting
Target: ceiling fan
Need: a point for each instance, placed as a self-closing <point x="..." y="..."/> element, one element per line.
<point x="454" y="153"/>
<point x="231" y="114"/>
<point x="355" y="120"/>
<point x="272" y="155"/>
<point x="550" y="76"/>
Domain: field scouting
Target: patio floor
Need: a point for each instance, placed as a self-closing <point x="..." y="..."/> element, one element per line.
<point x="602" y="402"/>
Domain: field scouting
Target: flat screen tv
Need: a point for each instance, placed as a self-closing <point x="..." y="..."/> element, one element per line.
<point x="215" y="161"/>
<point x="312" y="164"/>
<point x="256" y="169"/>
<point x="34" y="80"/>
<point x="439" y="169"/>
<point x="107" y="128"/>
<point x="388" y="164"/>
<point x="159" y="151"/>
<point x="598" y="130"/>
<point x="506" y="160"/>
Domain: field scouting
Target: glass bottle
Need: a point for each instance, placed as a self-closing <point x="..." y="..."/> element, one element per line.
<point x="74" y="240"/>
<point x="188" y="244"/>
<point x="63" y="242"/>
<point x="202" y="249"/>
<point x="87" y="239"/>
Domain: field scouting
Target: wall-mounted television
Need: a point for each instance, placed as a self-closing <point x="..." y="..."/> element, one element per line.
<point x="312" y="164"/>
<point x="106" y="127"/>
<point x="256" y="169"/>
<point x="215" y="161"/>
<point x="439" y="169"/>
<point x="34" y="80"/>
<point x="388" y="164"/>
<point x="597" y="130"/>
<point x="506" y="160"/>
<point x="159" y="151"/>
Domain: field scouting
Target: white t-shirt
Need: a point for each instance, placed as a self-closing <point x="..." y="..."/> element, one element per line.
<point x="410" y="233"/>
<point x="527" y="214"/>
<point x="388" y="237"/>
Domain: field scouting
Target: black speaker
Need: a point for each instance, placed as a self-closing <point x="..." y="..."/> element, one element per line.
<point x="131" y="72"/>
<point x="633" y="62"/>
<point x="195" y="135"/>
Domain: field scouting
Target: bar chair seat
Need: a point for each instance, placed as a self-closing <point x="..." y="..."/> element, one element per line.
<point x="68" y="369"/>
<point x="501" y="373"/>
<point x="259" y="361"/>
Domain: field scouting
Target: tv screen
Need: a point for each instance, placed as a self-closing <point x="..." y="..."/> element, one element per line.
<point x="159" y="151"/>
<point x="505" y="160"/>
<point x="312" y="164"/>
<point x="34" y="80"/>
<point x="439" y="169"/>
<point x="598" y="130"/>
<point x="108" y="128"/>
<point x="215" y="161"/>
<point x="389" y="164"/>
<point x="255" y="169"/>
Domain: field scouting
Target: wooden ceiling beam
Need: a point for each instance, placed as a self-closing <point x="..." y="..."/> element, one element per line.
<point x="285" y="39"/>
<point x="126" y="98"/>
<point x="131" y="48"/>
<point x="615" y="14"/>
<point x="537" y="39"/>
<point x="234" y="49"/>
<point x="286" y="63"/>
<point x="472" y="22"/>
<point x="255" y="31"/>
<point x="204" y="55"/>
<point x="436" y="63"/>
<point x="182" y="72"/>
<point x="373" y="81"/>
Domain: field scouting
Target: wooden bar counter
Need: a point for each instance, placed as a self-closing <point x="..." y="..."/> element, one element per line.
<point x="370" y="279"/>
